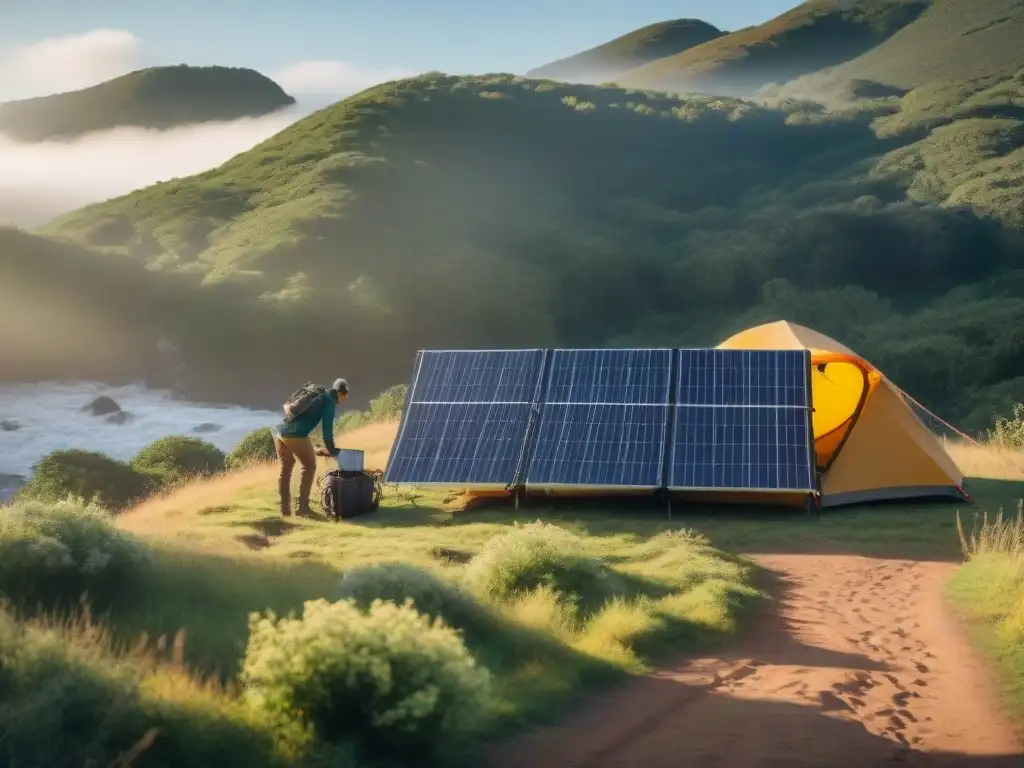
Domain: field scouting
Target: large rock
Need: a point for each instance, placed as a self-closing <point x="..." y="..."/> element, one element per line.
<point x="9" y="425"/>
<point x="206" y="428"/>
<point x="102" y="406"/>
<point x="121" y="417"/>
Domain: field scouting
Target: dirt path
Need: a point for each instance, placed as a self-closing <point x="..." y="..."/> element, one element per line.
<point x="859" y="665"/>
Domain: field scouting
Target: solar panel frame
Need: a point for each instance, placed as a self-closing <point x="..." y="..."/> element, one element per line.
<point x="770" y="400"/>
<point x="473" y="407"/>
<point x="611" y="397"/>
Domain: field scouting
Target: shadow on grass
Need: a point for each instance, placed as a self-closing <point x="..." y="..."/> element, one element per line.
<point x="210" y="598"/>
<point x="918" y="531"/>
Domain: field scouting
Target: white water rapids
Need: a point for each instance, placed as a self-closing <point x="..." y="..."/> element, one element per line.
<point x="36" y="419"/>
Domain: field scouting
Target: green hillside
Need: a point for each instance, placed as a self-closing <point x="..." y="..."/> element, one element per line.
<point x="951" y="40"/>
<point x="814" y="35"/>
<point x="451" y="211"/>
<point x="159" y="97"/>
<point x="609" y="60"/>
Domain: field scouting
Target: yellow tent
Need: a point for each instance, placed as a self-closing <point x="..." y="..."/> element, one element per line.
<point x="870" y="445"/>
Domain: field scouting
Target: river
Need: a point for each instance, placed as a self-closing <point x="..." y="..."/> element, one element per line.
<point x="38" y="418"/>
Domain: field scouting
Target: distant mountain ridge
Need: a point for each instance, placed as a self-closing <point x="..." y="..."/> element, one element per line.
<point x="950" y="40"/>
<point x="611" y="59"/>
<point x="157" y="97"/>
<point x="810" y="37"/>
<point x="825" y="49"/>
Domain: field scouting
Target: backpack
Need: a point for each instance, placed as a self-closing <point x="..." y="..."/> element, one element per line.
<point x="344" y="495"/>
<point x="302" y="399"/>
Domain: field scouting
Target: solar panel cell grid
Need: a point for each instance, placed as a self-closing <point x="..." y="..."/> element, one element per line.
<point x="741" y="448"/>
<point x="476" y="443"/>
<point x="599" y="445"/>
<point x="609" y="376"/>
<point x="467" y="417"/>
<point x="604" y="419"/>
<point x="461" y="376"/>
<point x="742" y="377"/>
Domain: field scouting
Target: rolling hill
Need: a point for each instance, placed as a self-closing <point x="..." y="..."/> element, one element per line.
<point x="950" y="41"/>
<point x="609" y="60"/>
<point x="504" y="211"/>
<point x="159" y="97"/>
<point x="810" y="37"/>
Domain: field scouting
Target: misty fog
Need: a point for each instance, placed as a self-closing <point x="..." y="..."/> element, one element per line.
<point x="39" y="181"/>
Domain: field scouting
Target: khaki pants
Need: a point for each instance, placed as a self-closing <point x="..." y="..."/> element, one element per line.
<point x="288" y="450"/>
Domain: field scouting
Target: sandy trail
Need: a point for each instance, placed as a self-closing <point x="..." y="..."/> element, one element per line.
<point x="857" y="664"/>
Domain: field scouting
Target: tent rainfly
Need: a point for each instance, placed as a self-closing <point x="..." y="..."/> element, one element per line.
<point x="870" y="445"/>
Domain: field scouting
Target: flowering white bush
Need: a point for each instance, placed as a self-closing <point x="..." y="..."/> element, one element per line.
<point x="390" y="680"/>
<point x="52" y="554"/>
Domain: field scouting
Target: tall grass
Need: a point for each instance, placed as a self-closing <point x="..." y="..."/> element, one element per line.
<point x="989" y="592"/>
<point x="1000" y="535"/>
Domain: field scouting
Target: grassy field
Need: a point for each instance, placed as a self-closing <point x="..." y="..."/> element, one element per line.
<point x="643" y="586"/>
<point x="238" y="552"/>
<point x="223" y="550"/>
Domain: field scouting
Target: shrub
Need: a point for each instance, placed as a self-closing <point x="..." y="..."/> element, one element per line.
<point x="351" y="420"/>
<point x="389" y="680"/>
<point x="542" y="555"/>
<point x="93" y="477"/>
<point x="257" y="446"/>
<point x="1009" y="433"/>
<point x="388" y="405"/>
<point x="66" y="700"/>
<point x="172" y="459"/>
<point x="430" y="594"/>
<point x="51" y="554"/>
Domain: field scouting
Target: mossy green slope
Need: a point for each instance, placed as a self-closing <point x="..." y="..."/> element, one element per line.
<point x="504" y="211"/>
<point x="158" y="97"/>
<point x="950" y="41"/>
<point x="609" y="60"/>
<point x="814" y="35"/>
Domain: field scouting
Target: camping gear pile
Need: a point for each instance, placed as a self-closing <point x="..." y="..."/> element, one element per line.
<point x="345" y="494"/>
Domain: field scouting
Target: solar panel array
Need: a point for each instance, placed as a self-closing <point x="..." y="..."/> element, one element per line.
<point x="706" y="419"/>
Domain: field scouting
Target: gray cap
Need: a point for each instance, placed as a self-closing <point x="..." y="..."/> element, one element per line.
<point x="340" y="385"/>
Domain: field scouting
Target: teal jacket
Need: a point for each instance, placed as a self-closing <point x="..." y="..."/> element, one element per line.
<point x="322" y="413"/>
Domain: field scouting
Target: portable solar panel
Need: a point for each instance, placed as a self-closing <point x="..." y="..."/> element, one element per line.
<point x="603" y="420"/>
<point x="742" y="421"/>
<point x="466" y="418"/>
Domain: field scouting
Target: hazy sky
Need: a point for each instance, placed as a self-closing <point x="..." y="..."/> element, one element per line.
<point x="46" y="45"/>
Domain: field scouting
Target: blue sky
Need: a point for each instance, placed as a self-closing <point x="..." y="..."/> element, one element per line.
<point x="450" y="35"/>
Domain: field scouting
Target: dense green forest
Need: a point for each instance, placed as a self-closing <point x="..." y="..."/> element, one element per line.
<point x="468" y="211"/>
<point x="158" y="97"/>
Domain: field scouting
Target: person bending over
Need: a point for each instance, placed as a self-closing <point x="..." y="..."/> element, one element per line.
<point x="311" y="404"/>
